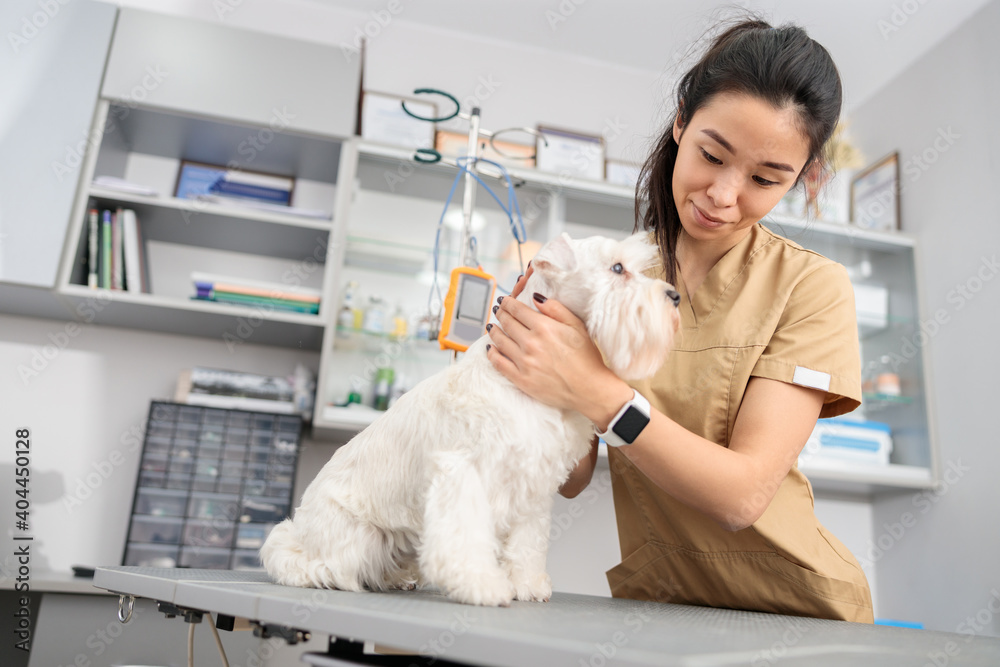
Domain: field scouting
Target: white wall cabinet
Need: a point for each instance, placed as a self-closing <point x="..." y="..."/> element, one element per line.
<point x="200" y="68"/>
<point x="179" y="90"/>
<point x="146" y="145"/>
<point x="44" y="128"/>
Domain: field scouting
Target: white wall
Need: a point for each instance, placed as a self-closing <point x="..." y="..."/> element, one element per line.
<point x="84" y="393"/>
<point x="938" y="553"/>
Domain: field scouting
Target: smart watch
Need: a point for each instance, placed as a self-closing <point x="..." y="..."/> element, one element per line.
<point x="626" y="426"/>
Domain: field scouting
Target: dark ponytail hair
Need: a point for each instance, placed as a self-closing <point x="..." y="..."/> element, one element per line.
<point x="782" y="66"/>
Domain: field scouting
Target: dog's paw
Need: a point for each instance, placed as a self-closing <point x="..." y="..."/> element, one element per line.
<point x="537" y="589"/>
<point x="492" y="591"/>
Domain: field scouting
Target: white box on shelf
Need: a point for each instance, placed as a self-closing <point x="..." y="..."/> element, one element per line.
<point x="872" y="305"/>
<point x="843" y="440"/>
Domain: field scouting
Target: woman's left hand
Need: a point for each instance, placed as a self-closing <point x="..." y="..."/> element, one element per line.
<point x="547" y="354"/>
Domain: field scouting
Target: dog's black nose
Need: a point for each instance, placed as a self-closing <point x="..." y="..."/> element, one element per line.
<point x="674" y="296"/>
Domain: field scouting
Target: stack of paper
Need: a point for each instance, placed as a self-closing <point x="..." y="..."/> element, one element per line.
<point x="232" y="389"/>
<point x="265" y="206"/>
<point x="121" y="185"/>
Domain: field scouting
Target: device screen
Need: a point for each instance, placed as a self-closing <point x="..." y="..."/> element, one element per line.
<point x="473" y="301"/>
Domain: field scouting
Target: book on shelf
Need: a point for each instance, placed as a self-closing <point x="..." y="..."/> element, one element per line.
<point x="240" y="184"/>
<point x="116" y="253"/>
<point x="117" y="265"/>
<point x="135" y="268"/>
<point x="196" y="179"/>
<point x="105" y="252"/>
<point x="93" y="234"/>
<point x="247" y="292"/>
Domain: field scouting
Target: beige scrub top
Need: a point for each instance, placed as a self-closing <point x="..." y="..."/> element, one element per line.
<point x="768" y="308"/>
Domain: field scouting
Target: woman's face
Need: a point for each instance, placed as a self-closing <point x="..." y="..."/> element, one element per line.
<point x="737" y="158"/>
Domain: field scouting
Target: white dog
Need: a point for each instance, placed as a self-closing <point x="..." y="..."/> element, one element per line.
<point x="453" y="486"/>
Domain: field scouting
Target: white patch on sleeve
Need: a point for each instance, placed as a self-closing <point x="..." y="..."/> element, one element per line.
<point x="810" y="378"/>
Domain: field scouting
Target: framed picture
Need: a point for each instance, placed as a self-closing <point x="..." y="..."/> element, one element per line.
<point x="383" y="120"/>
<point x="875" y="195"/>
<point x="619" y="172"/>
<point x="570" y="153"/>
<point x="198" y="180"/>
<point x="454" y="144"/>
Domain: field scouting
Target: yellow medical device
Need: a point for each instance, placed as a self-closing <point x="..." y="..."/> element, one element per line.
<point x="466" y="308"/>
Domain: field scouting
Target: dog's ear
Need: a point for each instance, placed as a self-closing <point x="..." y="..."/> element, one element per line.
<point x="557" y="254"/>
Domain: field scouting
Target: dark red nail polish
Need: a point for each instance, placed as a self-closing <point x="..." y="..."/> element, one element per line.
<point x="539" y="298"/>
<point x="499" y="300"/>
<point x="495" y="308"/>
<point x="488" y="347"/>
<point x="489" y="326"/>
<point x="519" y="278"/>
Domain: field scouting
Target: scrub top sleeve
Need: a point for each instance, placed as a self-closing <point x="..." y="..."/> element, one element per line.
<point x="816" y="341"/>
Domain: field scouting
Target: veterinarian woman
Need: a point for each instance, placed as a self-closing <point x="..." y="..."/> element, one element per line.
<point x="710" y="505"/>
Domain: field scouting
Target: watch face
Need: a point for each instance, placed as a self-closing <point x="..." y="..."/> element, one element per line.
<point x="630" y="425"/>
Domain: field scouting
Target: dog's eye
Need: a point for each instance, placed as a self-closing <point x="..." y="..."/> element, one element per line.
<point x="618" y="268"/>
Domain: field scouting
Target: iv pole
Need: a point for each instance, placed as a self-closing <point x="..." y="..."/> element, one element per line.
<point x="469" y="198"/>
<point x="427" y="155"/>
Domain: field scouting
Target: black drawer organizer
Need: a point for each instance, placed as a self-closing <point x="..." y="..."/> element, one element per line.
<point x="212" y="484"/>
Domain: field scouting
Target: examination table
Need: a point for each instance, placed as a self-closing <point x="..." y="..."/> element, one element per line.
<point x="570" y="630"/>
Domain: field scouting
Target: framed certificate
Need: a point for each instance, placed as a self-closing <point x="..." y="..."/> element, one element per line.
<point x="383" y="120"/>
<point x="570" y="153"/>
<point x="875" y="195"/>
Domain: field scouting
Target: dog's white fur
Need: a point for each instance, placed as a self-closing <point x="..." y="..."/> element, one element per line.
<point x="453" y="486"/>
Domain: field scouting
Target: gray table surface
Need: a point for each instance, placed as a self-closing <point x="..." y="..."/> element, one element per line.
<point x="570" y="630"/>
